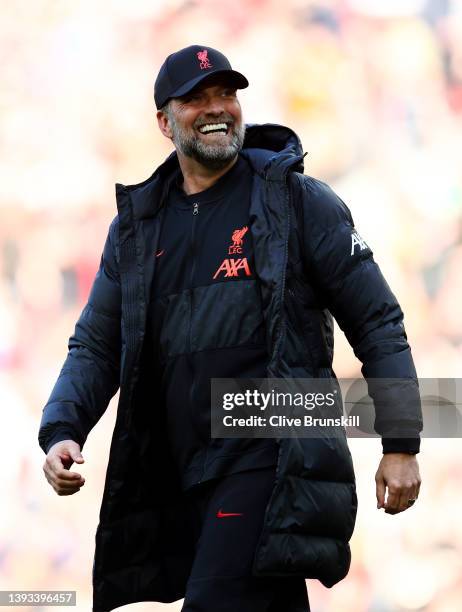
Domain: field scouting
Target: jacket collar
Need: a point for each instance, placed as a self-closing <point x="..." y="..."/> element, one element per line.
<point x="270" y="148"/>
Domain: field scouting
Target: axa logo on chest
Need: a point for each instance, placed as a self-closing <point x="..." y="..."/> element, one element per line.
<point x="230" y="266"/>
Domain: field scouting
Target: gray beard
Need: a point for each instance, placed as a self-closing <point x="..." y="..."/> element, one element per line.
<point x="214" y="157"/>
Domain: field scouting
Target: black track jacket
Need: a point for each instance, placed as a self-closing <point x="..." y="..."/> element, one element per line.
<point x="302" y="237"/>
<point x="205" y="249"/>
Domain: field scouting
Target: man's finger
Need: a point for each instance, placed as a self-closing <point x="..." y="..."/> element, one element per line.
<point x="58" y="483"/>
<point x="380" y="492"/>
<point x="66" y="475"/>
<point x="76" y="456"/>
<point x="59" y="471"/>
<point x="413" y="493"/>
<point x="54" y="463"/>
<point x="73" y="450"/>
<point x="391" y="505"/>
<point x="68" y="484"/>
<point x="405" y="496"/>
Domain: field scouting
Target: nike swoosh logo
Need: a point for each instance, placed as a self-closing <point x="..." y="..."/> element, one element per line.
<point x="221" y="514"/>
<point x="160" y="253"/>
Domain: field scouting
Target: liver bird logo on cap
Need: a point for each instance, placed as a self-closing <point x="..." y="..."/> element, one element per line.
<point x="203" y="59"/>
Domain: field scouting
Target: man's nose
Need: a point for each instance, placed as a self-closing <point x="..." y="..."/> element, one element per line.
<point x="215" y="105"/>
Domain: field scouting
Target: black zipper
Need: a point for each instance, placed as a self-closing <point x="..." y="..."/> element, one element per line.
<point x="195" y="213"/>
<point x="193" y="267"/>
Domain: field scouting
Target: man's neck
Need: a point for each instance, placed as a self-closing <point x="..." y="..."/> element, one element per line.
<point x="197" y="177"/>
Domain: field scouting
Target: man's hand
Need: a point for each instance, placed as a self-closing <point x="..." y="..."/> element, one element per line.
<point x="56" y="467"/>
<point x="400" y="473"/>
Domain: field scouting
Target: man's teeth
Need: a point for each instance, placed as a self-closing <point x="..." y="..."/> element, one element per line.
<point x="213" y="127"/>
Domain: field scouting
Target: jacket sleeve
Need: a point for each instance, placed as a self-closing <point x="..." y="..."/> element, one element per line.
<point x="90" y="375"/>
<point x="341" y="265"/>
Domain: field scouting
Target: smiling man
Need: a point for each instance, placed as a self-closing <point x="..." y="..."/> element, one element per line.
<point x="209" y="141"/>
<point x="228" y="262"/>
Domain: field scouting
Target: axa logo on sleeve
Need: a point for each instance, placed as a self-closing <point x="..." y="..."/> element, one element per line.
<point x="356" y="240"/>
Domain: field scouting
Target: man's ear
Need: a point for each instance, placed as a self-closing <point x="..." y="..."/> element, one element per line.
<point x="164" y="124"/>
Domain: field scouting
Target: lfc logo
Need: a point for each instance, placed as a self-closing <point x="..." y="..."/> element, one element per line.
<point x="237" y="237"/>
<point x="204" y="61"/>
<point x="229" y="266"/>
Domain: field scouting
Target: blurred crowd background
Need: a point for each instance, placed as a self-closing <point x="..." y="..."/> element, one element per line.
<point x="374" y="89"/>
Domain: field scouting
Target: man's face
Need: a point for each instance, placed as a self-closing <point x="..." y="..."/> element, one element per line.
<point x="206" y="124"/>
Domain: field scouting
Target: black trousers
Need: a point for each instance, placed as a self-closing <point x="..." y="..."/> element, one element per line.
<point x="228" y="514"/>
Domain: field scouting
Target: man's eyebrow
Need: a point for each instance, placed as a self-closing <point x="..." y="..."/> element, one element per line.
<point x="194" y="92"/>
<point x="184" y="97"/>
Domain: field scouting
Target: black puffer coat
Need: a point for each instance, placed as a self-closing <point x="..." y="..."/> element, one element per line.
<point x="302" y="236"/>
